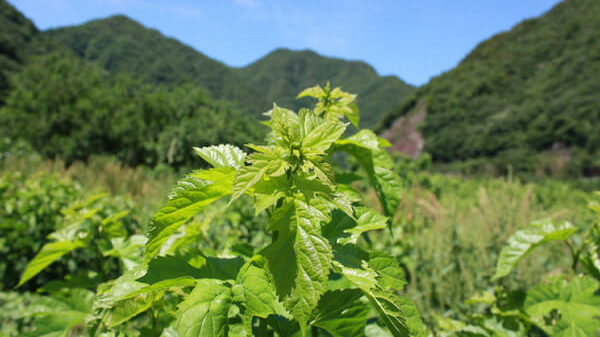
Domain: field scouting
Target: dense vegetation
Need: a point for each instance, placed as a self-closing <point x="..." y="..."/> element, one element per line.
<point x="120" y="44"/>
<point x="316" y="231"/>
<point x="71" y="109"/>
<point x="530" y="90"/>
<point x="15" y="34"/>
<point x="209" y="265"/>
<point x="283" y="73"/>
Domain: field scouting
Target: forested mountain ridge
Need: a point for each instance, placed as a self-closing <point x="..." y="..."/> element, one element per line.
<point x="120" y="44"/>
<point x="283" y="73"/>
<point x="16" y="31"/>
<point x="534" y="89"/>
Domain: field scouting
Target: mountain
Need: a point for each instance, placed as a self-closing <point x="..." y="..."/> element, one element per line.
<point x="120" y="44"/>
<point x="16" y="31"/>
<point x="282" y="74"/>
<point x="534" y="89"/>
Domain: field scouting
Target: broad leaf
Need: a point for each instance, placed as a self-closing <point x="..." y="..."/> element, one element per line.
<point x="260" y="164"/>
<point x="268" y="191"/>
<point x="391" y="275"/>
<point x="367" y="220"/>
<point x="204" y="311"/>
<point x="318" y="140"/>
<point x="399" y="314"/>
<point x="524" y="241"/>
<point x="222" y="155"/>
<point x="298" y="261"/>
<point x="343" y="229"/>
<point x="285" y="125"/>
<point x="577" y="303"/>
<point x="341" y="313"/>
<point x="365" y="147"/>
<point x="56" y="316"/>
<point x="129" y="308"/>
<point x="128" y="251"/>
<point x="169" y="267"/>
<point x="50" y="252"/>
<point x="190" y="196"/>
<point x="256" y="293"/>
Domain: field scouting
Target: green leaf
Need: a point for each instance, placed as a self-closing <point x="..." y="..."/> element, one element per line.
<point x="284" y="327"/>
<point x="222" y="155"/>
<point x="129" y="250"/>
<point x="576" y="301"/>
<point x="131" y="307"/>
<point x="315" y="92"/>
<point x="321" y="169"/>
<point x="364" y="146"/>
<point x="319" y="139"/>
<point x="367" y="220"/>
<point x="522" y="242"/>
<point x="353" y="115"/>
<point x="350" y="262"/>
<point x="190" y="196"/>
<point x="298" y="261"/>
<point x="341" y="313"/>
<point x="168" y="267"/>
<point x="260" y="164"/>
<point x="344" y="230"/>
<point x="204" y="311"/>
<point x="166" y="284"/>
<point x="59" y="314"/>
<point x="391" y="275"/>
<point x="268" y="191"/>
<point x="256" y="293"/>
<point x="363" y="277"/>
<point x="50" y="252"/>
<point x="399" y="314"/>
<point x="286" y="126"/>
<point x="591" y="260"/>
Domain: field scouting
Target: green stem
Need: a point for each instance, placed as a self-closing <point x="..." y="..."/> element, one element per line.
<point x="155" y="326"/>
<point x="574" y="255"/>
<point x="262" y="328"/>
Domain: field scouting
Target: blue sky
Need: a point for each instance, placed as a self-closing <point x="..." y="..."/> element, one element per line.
<point x="413" y="39"/>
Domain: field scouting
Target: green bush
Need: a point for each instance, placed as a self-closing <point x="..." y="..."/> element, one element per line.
<point x="71" y="109"/>
<point x="33" y="207"/>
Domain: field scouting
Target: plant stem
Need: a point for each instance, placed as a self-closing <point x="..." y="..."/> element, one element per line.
<point x="155" y="327"/>
<point x="574" y="255"/>
<point x="262" y="327"/>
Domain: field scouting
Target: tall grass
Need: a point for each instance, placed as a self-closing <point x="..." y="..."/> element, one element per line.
<point x="146" y="187"/>
<point x="449" y="233"/>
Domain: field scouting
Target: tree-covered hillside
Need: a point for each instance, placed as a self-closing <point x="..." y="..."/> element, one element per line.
<point x="16" y="31"/>
<point x="120" y="44"/>
<point x="283" y="73"/>
<point x="531" y="90"/>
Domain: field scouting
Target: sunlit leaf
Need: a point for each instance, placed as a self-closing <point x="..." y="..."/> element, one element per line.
<point x="576" y="301"/>
<point x="522" y="242"/>
<point x="222" y="155"/>
<point x="341" y="313"/>
<point x="204" y="311"/>
<point x="299" y="259"/>
<point x="190" y="196"/>
<point x="50" y="252"/>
